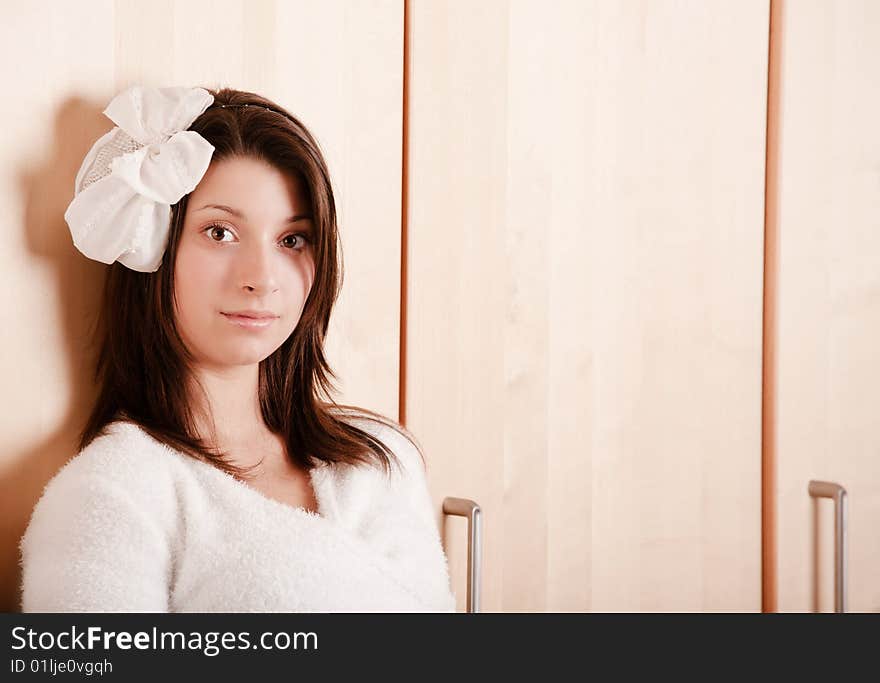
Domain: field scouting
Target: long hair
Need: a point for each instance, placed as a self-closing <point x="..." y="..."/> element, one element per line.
<point x="144" y="370"/>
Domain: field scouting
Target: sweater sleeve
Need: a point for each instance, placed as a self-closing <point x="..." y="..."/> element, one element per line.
<point x="407" y="529"/>
<point x="89" y="548"/>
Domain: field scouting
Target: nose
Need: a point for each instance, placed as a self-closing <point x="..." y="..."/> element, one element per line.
<point x="256" y="268"/>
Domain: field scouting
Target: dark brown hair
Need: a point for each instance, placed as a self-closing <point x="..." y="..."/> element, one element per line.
<point x="144" y="370"/>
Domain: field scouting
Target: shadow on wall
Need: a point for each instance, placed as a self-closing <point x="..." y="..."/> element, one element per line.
<point x="46" y="188"/>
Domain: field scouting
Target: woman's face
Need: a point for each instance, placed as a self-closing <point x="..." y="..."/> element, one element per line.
<point x="246" y="246"/>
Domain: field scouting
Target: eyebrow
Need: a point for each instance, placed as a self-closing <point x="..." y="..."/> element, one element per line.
<point x="239" y="214"/>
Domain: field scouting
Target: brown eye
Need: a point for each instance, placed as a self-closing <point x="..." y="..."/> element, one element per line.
<point x="300" y="243"/>
<point x="216" y="229"/>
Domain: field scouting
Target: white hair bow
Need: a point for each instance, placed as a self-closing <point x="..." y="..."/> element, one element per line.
<point x="128" y="181"/>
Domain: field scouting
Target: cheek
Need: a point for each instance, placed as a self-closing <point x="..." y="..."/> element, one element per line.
<point x="295" y="284"/>
<point x="304" y="278"/>
<point x="195" y="280"/>
<point x="305" y="275"/>
<point x="299" y="282"/>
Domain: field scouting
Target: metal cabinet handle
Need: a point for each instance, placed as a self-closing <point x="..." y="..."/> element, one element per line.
<point x="462" y="507"/>
<point x="827" y="489"/>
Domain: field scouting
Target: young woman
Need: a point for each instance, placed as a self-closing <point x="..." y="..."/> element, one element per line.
<point x="215" y="472"/>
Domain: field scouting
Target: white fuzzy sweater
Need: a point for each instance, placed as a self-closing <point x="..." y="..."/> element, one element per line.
<point x="130" y="525"/>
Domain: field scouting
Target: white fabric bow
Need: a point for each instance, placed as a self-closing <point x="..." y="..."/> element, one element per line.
<point x="132" y="175"/>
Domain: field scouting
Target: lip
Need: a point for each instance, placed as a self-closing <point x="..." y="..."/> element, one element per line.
<point x="250" y="313"/>
<point x="253" y="320"/>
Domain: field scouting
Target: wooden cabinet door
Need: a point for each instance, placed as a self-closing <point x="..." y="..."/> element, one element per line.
<point x="828" y="298"/>
<point x="584" y="295"/>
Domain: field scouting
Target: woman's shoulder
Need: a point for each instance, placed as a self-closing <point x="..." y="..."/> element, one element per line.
<point x="123" y="453"/>
<point x="399" y="440"/>
<point x="108" y="505"/>
<point x="123" y="462"/>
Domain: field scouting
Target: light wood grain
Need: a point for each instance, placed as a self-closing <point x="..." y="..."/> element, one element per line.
<point x="584" y="304"/>
<point x="829" y="298"/>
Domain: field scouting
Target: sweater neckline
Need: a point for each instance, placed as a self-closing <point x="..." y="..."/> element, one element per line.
<point x="272" y="502"/>
<point x="316" y="479"/>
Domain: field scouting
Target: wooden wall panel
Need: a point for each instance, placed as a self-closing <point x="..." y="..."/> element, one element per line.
<point x="456" y="287"/>
<point x="829" y="298"/>
<point x="584" y="298"/>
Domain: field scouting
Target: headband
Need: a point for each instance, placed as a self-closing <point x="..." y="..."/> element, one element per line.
<point x="247" y="105"/>
<point x="121" y="209"/>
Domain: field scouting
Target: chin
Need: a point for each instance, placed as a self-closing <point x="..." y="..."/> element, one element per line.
<point x="246" y="356"/>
